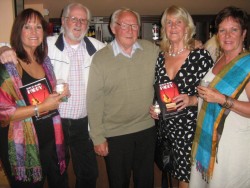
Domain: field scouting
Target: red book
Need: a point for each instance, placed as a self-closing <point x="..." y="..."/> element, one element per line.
<point x="165" y="93"/>
<point x="35" y="93"/>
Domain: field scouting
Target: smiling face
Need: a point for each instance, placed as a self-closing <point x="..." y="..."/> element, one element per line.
<point x="75" y="29"/>
<point x="231" y="36"/>
<point x="175" y="29"/>
<point x="32" y="34"/>
<point x="126" y="37"/>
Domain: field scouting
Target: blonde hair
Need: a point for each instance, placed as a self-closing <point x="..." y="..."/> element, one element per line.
<point x="182" y="14"/>
<point x="212" y="45"/>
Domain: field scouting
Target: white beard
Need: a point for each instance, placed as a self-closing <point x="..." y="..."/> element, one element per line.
<point x="71" y="35"/>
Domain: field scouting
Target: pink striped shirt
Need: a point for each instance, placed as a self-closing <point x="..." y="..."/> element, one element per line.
<point x="75" y="108"/>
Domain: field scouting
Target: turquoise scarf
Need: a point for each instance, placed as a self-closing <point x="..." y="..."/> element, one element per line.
<point x="230" y="81"/>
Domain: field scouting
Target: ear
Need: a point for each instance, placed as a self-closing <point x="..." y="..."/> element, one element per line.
<point x="112" y="27"/>
<point x="63" y="20"/>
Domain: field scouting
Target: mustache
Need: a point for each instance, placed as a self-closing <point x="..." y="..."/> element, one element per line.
<point x="72" y="36"/>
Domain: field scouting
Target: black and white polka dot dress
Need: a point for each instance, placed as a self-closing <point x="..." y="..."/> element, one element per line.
<point x="180" y="130"/>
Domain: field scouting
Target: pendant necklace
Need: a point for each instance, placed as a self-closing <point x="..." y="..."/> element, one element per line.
<point x="172" y="54"/>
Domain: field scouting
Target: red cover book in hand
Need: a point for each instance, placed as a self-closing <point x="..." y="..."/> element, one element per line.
<point x="165" y="93"/>
<point x="35" y="93"/>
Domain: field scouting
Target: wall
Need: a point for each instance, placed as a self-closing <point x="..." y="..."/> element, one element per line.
<point x="38" y="7"/>
<point x="7" y="18"/>
<point x="144" y="7"/>
<point x="153" y="7"/>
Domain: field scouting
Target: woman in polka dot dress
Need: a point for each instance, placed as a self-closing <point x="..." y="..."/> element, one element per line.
<point x="180" y="63"/>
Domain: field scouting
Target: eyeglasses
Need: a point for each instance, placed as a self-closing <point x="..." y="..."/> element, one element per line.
<point x="125" y="26"/>
<point x="76" y="20"/>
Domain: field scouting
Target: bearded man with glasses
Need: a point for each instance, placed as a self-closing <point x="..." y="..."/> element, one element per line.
<point x="71" y="54"/>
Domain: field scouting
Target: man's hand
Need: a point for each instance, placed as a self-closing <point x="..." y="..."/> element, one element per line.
<point x="198" y="44"/>
<point x="7" y="55"/>
<point x="102" y="149"/>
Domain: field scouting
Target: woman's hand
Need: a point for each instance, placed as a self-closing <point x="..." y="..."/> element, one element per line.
<point x="211" y="95"/>
<point x="152" y="112"/>
<point x="198" y="44"/>
<point x="184" y="100"/>
<point x="52" y="102"/>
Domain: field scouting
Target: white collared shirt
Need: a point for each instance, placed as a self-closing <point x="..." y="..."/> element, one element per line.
<point x="118" y="50"/>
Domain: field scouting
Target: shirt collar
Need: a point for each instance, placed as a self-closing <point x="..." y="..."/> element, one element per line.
<point x="82" y="43"/>
<point x="91" y="49"/>
<point x="117" y="49"/>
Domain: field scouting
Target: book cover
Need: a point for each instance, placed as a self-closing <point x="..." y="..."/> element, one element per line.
<point x="165" y="93"/>
<point x="35" y="93"/>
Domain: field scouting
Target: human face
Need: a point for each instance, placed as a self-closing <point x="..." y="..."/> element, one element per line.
<point x="75" y="29"/>
<point x="32" y="34"/>
<point x="175" y="29"/>
<point x="231" y="36"/>
<point x="126" y="37"/>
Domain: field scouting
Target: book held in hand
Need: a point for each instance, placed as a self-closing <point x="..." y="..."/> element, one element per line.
<point x="35" y="93"/>
<point x="165" y="94"/>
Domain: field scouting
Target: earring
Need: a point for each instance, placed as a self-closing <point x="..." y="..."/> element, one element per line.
<point x="42" y="46"/>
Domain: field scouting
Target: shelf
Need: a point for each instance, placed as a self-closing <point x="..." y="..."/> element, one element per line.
<point x="204" y="27"/>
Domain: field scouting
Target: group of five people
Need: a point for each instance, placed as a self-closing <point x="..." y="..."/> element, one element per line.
<point x="110" y="88"/>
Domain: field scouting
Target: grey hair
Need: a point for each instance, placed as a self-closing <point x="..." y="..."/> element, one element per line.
<point x="117" y="13"/>
<point x="66" y="10"/>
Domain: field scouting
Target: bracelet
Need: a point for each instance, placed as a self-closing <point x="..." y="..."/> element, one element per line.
<point x="36" y="111"/>
<point x="228" y="103"/>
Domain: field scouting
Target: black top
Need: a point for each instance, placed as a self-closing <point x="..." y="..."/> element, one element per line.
<point x="44" y="127"/>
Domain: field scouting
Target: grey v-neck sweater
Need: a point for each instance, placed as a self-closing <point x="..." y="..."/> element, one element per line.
<point x="120" y="92"/>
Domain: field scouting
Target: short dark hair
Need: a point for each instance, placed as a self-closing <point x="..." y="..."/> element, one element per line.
<point x="22" y="18"/>
<point x="237" y="14"/>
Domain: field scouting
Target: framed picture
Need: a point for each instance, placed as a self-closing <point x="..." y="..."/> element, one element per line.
<point x="19" y="6"/>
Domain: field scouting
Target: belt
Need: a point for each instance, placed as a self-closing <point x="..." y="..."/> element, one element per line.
<point x="75" y="120"/>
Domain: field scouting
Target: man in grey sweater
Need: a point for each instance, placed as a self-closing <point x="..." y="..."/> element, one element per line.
<point x="120" y="92"/>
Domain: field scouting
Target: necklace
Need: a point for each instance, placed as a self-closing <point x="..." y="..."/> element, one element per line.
<point x="172" y="54"/>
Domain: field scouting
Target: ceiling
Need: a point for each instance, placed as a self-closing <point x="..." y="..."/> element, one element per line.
<point x="144" y="7"/>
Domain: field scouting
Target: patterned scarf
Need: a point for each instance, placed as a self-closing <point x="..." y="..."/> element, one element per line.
<point x="22" y="139"/>
<point x="230" y="81"/>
